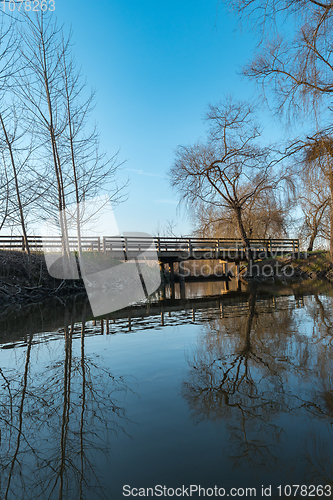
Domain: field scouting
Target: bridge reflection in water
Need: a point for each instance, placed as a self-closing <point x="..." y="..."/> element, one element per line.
<point x="172" y="303"/>
<point x="176" y="297"/>
<point x="253" y="374"/>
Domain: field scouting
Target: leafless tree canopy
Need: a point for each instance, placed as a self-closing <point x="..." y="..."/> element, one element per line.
<point x="293" y="64"/>
<point x="230" y="172"/>
<point x="49" y="145"/>
<point x="295" y="56"/>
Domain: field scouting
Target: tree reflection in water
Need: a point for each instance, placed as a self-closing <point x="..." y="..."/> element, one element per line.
<point x="55" y="422"/>
<point x="251" y="367"/>
<point x="259" y="365"/>
<point x="320" y="404"/>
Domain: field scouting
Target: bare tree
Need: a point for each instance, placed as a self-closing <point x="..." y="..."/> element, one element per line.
<point x="296" y="56"/>
<point x="18" y="158"/>
<point x="296" y="63"/>
<point x="230" y="170"/>
<point x="88" y="172"/>
<point x="314" y="200"/>
<point x="8" y="68"/>
<point x="57" y="111"/>
<point x="38" y="84"/>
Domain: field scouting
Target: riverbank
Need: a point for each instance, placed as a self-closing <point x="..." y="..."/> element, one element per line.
<point x="311" y="265"/>
<point x="24" y="279"/>
<point x="27" y="280"/>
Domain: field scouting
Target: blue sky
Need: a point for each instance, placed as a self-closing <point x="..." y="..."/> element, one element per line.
<point x="156" y="65"/>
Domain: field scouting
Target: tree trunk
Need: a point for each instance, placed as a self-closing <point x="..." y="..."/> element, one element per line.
<point x="17" y="189"/>
<point x="57" y="165"/>
<point x="243" y="235"/>
<point x="73" y="160"/>
<point x="312" y="238"/>
<point x="331" y="213"/>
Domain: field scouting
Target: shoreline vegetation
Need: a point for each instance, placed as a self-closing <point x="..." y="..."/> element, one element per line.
<point x="26" y="279"/>
<point x="310" y="265"/>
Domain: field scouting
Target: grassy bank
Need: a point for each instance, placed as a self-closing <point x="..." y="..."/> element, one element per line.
<point x="316" y="264"/>
<point x="311" y="265"/>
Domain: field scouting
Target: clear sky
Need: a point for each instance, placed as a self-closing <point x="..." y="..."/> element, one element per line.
<point x="156" y="65"/>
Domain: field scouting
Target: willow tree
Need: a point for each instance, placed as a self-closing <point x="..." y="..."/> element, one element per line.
<point x="267" y="216"/>
<point x="318" y="163"/>
<point x="228" y="171"/>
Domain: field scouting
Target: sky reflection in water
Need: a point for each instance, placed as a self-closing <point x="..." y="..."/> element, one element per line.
<point x="237" y="394"/>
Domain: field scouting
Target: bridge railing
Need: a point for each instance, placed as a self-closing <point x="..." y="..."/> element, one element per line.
<point x="137" y="243"/>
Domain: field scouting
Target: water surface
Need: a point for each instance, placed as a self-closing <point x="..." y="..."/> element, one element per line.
<point x="204" y="386"/>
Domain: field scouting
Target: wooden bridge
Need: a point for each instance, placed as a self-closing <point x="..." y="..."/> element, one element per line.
<point x="168" y="249"/>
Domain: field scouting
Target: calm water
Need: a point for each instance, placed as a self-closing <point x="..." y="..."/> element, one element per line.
<point x="206" y="387"/>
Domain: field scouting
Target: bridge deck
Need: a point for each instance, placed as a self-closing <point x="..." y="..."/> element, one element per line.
<point x="168" y="249"/>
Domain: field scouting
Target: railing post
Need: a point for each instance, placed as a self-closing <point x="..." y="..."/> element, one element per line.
<point x="158" y="244"/>
<point x="125" y="247"/>
<point x="217" y="248"/>
<point x="189" y="246"/>
<point x="99" y="243"/>
<point x="104" y="245"/>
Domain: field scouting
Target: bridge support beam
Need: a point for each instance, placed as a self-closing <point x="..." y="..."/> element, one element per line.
<point x="172" y="272"/>
<point x="224" y="265"/>
<point x="161" y="269"/>
<point x="182" y="288"/>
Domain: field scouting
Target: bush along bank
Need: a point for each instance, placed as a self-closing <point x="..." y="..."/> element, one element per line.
<point x="26" y="279"/>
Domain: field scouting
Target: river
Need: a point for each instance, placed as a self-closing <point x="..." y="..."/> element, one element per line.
<point x="227" y="390"/>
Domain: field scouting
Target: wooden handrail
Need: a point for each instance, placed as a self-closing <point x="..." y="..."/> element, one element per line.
<point x="167" y="244"/>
